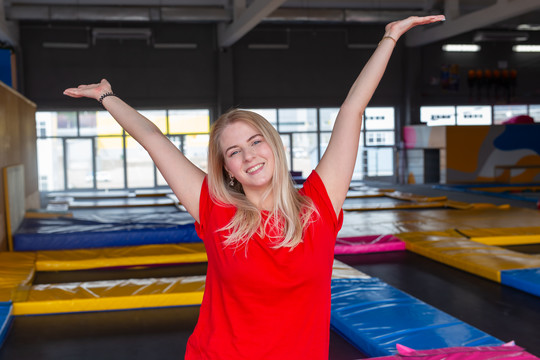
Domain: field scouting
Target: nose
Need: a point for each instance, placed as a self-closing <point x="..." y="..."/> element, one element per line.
<point x="249" y="154"/>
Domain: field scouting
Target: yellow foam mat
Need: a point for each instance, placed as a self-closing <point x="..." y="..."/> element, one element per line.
<point x="404" y="221"/>
<point x="127" y="294"/>
<point x="111" y="295"/>
<point x="62" y="260"/>
<point x="452" y="249"/>
<point x="413" y="197"/>
<point x="16" y="270"/>
<point x="504" y="236"/>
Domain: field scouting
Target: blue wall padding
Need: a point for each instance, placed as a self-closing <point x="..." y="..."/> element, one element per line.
<point x="71" y="233"/>
<point x="527" y="280"/>
<point x="5" y="320"/>
<point x="375" y="317"/>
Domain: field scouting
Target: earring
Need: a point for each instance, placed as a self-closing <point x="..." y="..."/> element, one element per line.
<point x="231" y="183"/>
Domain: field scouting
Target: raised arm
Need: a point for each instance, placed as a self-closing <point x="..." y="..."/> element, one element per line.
<point x="184" y="178"/>
<point x="337" y="164"/>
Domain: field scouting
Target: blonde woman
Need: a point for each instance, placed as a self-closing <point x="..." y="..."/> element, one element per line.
<point x="269" y="246"/>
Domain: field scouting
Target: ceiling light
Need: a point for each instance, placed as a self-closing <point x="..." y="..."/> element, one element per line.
<point x="500" y="36"/>
<point x="526" y="48"/>
<point x="461" y="47"/>
<point x="529" y="27"/>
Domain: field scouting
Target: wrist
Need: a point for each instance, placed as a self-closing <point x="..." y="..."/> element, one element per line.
<point x="388" y="38"/>
<point x="104" y="95"/>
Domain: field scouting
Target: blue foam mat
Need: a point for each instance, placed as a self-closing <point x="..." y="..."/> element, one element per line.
<point x="5" y="320"/>
<point x="527" y="280"/>
<point x="375" y="317"/>
<point x="471" y="189"/>
<point x="72" y="233"/>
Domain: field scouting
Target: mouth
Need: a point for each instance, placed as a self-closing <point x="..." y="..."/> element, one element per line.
<point x="255" y="168"/>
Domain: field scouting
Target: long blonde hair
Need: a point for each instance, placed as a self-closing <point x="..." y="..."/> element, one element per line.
<point x="291" y="211"/>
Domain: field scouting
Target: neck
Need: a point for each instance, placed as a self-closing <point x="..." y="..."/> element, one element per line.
<point x="256" y="197"/>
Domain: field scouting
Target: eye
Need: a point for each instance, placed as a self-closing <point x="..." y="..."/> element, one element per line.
<point x="232" y="153"/>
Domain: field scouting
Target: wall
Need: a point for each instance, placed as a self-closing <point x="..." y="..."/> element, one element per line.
<point x="477" y="154"/>
<point x="315" y="69"/>
<point x="17" y="146"/>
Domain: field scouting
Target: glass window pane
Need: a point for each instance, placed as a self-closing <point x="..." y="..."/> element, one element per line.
<point x="380" y="161"/>
<point x="53" y="123"/>
<point x="474" y="115"/>
<point x="379" y="138"/>
<point x="196" y="150"/>
<point x="297" y="120"/>
<point x="501" y="113"/>
<point x="98" y="123"/>
<point x="379" y="118"/>
<point x="268" y="114"/>
<point x="189" y="121"/>
<point x="158" y="117"/>
<point x="110" y="163"/>
<point x="305" y="154"/>
<point x="328" y="118"/>
<point x="438" y="115"/>
<point x="140" y="168"/>
<point x="286" y="139"/>
<point x="80" y="174"/>
<point x="534" y="112"/>
<point x="50" y="153"/>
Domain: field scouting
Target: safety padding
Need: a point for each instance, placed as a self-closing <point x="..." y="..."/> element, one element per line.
<point x="111" y="295"/>
<point x="414" y="197"/>
<point x="16" y="271"/>
<point x="398" y="206"/>
<point x="504" y="236"/>
<point x="63" y="260"/>
<point x="5" y="320"/>
<point x="375" y="317"/>
<point x="452" y="249"/>
<point x="368" y="244"/>
<point x="527" y="280"/>
<point x="73" y="233"/>
<point x="506" y="351"/>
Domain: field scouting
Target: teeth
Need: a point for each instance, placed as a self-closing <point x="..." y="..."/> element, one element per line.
<point x="255" y="168"/>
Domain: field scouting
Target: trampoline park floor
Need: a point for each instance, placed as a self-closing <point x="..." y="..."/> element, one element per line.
<point x="503" y="312"/>
<point x="159" y="333"/>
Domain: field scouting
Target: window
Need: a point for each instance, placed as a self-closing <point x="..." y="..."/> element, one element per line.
<point x="501" y="113"/>
<point x="438" y="115"/>
<point x="474" y="115"/>
<point x="305" y="134"/>
<point x="89" y="150"/>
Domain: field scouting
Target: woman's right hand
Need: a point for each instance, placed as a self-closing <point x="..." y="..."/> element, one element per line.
<point x="93" y="91"/>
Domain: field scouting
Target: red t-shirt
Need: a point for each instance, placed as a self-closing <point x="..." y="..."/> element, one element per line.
<point x="266" y="303"/>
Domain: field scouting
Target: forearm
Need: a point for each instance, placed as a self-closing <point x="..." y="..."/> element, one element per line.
<point x="135" y="124"/>
<point x="369" y="78"/>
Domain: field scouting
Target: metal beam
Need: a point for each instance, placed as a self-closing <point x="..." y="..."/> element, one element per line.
<point x="502" y="10"/>
<point x="248" y="19"/>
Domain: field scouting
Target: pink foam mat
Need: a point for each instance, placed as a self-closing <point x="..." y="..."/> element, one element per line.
<point x="368" y="244"/>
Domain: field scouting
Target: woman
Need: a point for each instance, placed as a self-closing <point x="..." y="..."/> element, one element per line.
<point x="269" y="246"/>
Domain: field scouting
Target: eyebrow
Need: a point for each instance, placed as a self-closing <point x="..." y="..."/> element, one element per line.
<point x="248" y="140"/>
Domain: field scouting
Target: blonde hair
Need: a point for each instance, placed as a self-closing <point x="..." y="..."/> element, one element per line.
<point x="291" y="212"/>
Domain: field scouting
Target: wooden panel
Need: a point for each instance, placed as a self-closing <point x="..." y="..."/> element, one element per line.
<point x="17" y="146"/>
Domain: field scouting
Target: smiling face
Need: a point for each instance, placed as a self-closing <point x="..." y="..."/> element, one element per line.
<point x="247" y="156"/>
